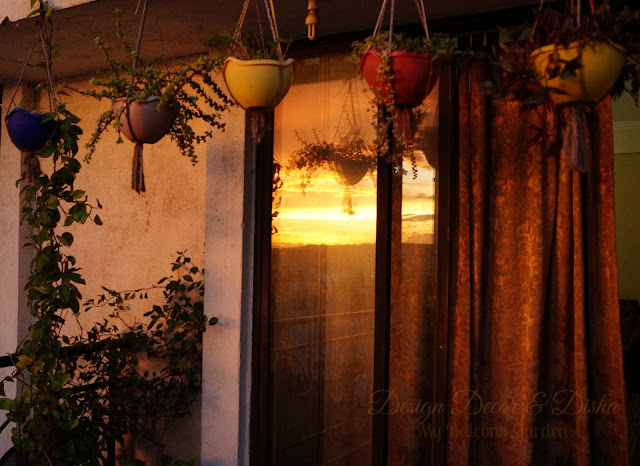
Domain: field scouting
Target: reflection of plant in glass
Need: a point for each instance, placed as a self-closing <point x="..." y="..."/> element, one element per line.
<point x="347" y="158"/>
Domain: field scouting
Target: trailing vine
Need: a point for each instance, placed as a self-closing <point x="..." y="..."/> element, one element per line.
<point x="76" y="393"/>
<point x="395" y="126"/>
<point x="189" y="91"/>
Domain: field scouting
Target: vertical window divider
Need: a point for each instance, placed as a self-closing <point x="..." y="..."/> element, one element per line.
<point x="260" y="392"/>
<point x="382" y="319"/>
<point x="445" y="207"/>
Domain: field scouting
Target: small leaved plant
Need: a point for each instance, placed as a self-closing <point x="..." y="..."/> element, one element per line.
<point x="395" y="141"/>
<point x="188" y="91"/>
<point x="246" y="47"/>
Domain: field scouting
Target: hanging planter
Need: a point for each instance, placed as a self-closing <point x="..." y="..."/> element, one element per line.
<point x="149" y="102"/>
<point x="571" y="60"/>
<point x="255" y="71"/>
<point x="36" y="133"/>
<point x="351" y="171"/>
<point x="413" y="75"/>
<point x="142" y="120"/>
<point x="27" y="130"/>
<point x="401" y="71"/>
<point x="601" y="63"/>
<point x="258" y="84"/>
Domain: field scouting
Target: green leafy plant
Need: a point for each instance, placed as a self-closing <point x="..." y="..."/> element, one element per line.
<point x="395" y="126"/>
<point x="189" y="91"/>
<point x="440" y="46"/>
<point x="513" y="76"/>
<point x="246" y="47"/>
<point x="77" y="392"/>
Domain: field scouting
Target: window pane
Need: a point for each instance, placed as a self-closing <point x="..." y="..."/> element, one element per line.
<point x="323" y="263"/>
<point x="413" y="296"/>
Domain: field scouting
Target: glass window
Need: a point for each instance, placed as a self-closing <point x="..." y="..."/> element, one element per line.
<point x="322" y="291"/>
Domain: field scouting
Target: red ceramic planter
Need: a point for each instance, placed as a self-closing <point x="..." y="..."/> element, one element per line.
<point x="414" y="75"/>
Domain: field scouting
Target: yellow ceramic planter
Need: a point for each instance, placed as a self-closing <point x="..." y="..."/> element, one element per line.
<point x="258" y="84"/>
<point x="601" y="65"/>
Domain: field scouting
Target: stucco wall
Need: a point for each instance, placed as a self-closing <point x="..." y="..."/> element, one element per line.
<point x="140" y="235"/>
<point x="18" y="9"/>
<point x="626" y="123"/>
<point x="627" y="184"/>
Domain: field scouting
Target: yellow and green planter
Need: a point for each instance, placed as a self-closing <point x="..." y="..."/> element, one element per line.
<point x="601" y="60"/>
<point x="258" y="84"/>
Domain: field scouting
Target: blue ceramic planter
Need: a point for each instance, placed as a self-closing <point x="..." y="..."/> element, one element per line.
<point x="27" y="131"/>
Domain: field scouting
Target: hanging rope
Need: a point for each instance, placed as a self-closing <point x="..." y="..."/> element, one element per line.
<point x="270" y="11"/>
<point x="262" y="43"/>
<point x="423" y="16"/>
<point x="243" y="14"/>
<point x="52" y="95"/>
<point x="24" y="67"/>
<point x="271" y="16"/>
<point x="46" y="53"/>
<point x="380" y="17"/>
<point x="138" y="44"/>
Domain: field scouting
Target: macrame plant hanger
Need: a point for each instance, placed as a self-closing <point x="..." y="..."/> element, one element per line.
<point x="576" y="144"/>
<point x="577" y="140"/>
<point x="350" y="115"/>
<point x="31" y="161"/>
<point x="257" y="116"/>
<point x="137" y="170"/>
<point x="404" y="116"/>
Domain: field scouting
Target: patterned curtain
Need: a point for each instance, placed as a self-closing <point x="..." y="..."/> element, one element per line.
<point x="535" y="369"/>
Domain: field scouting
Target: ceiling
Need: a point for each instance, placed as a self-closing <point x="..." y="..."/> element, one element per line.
<point x="180" y="27"/>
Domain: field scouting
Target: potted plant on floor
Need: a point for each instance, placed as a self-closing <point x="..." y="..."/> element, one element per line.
<point x="150" y="100"/>
<point x="401" y="71"/>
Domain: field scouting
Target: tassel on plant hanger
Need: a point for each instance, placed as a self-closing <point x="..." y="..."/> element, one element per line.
<point x="577" y="141"/>
<point x="32" y="166"/>
<point x="137" y="174"/>
<point x="257" y="125"/>
<point x="406" y="120"/>
<point x="347" y="203"/>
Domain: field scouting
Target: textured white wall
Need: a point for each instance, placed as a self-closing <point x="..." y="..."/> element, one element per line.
<point x="228" y="262"/>
<point x="9" y="253"/>
<point x="140" y="237"/>
<point x="18" y="9"/>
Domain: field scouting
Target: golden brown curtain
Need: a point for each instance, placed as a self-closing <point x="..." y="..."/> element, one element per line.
<point x="534" y="300"/>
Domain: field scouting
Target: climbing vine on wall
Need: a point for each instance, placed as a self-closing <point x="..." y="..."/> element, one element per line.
<point x="79" y="392"/>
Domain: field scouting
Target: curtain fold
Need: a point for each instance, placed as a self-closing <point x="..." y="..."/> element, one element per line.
<point x="534" y="335"/>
